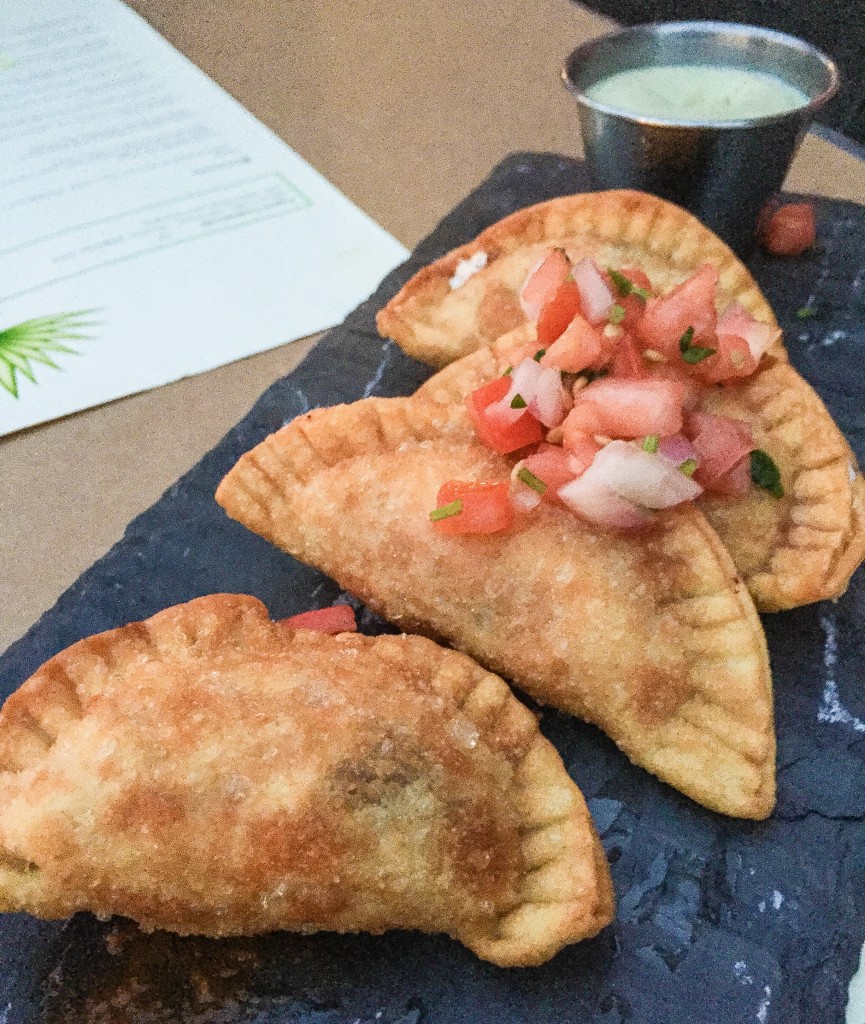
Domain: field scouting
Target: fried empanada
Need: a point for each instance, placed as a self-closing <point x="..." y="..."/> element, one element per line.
<point x="437" y="323"/>
<point x="209" y="771"/>
<point x="653" y="637"/>
<point x="801" y="549"/>
<point x="790" y="551"/>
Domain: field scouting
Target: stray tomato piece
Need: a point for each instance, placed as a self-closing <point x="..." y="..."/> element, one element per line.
<point x="339" y="618"/>
<point x="636" y="408"/>
<point x="690" y="304"/>
<point x="628" y="361"/>
<point x="486" y="508"/>
<point x="501" y="437"/>
<point x="551" y="464"/>
<point x="550" y="274"/>
<point x="557" y="312"/>
<point x="579" y="347"/>
<point x="721" y="442"/>
<point x="790" y="230"/>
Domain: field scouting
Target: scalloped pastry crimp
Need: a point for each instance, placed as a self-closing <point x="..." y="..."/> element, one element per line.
<point x="653" y="638"/>
<point x="209" y="771"/>
<point x="790" y="551"/>
<point x="437" y="324"/>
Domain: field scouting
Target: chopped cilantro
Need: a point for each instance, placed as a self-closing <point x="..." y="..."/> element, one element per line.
<point x="691" y="353"/>
<point x="617" y="314"/>
<point x="765" y="473"/>
<point x="446" y="511"/>
<point x="541" y="352"/>
<point x="518" y="402"/>
<point x="805" y="312"/>
<point x="531" y="480"/>
<point x="650" y="443"/>
<point x="625" y="286"/>
<point x="508" y="371"/>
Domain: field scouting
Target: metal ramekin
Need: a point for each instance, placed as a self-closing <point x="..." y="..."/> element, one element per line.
<point x="722" y="171"/>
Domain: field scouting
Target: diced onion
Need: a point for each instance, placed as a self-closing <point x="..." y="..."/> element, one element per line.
<point x="468" y="268"/>
<point x="595" y="296"/>
<point x="643" y="478"/>
<point x="677" y="449"/>
<point x="551" y="403"/>
<point x="522" y="496"/>
<point x="591" y="499"/>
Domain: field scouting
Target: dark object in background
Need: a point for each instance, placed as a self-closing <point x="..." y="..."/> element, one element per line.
<point x="719" y="921"/>
<point x="838" y="28"/>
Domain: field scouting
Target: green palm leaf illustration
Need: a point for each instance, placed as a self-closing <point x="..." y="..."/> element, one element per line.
<point x="36" y="341"/>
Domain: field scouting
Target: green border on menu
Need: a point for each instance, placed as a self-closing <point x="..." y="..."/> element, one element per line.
<point x="305" y="202"/>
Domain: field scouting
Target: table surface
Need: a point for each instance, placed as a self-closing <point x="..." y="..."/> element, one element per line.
<point x="403" y="107"/>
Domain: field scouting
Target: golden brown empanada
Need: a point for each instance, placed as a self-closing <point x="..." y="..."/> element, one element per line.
<point x="209" y="771"/>
<point x="790" y="551"/>
<point x="437" y="324"/>
<point x="653" y="638"/>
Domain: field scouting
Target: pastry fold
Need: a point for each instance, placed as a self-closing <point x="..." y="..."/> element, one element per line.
<point x="209" y="771"/>
<point x="653" y="637"/>
<point x="437" y="324"/>
<point x="790" y="551"/>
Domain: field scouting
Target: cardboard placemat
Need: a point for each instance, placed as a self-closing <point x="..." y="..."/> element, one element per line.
<point x="718" y="922"/>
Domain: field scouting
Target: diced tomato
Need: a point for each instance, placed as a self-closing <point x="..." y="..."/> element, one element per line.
<point x="583" y="421"/>
<point x="580" y="347"/>
<point x="737" y="320"/>
<point x="735" y="482"/>
<point x="551" y="464"/>
<point x="581" y="452"/>
<point x="678" y="373"/>
<point x="635" y="408"/>
<point x="633" y="305"/>
<point x="628" y="361"/>
<point x="557" y="312"/>
<point x="339" y="618"/>
<point x="732" y="360"/>
<point x="690" y="304"/>
<point x="501" y="437"/>
<point x="791" y="229"/>
<point x="638" y="277"/>
<point x="547" y="277"/>
<point x="721" y="442"/>
<point x="486" y="508"/>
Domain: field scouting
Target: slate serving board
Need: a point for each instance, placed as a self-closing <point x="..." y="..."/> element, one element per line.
<point x="718" y="921"/>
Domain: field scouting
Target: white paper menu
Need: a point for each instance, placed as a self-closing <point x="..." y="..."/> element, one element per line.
<point x="150" y="227"/>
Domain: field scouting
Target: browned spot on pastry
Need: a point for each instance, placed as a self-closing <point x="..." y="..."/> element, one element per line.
<point x="486" y="851"/>
<point x="499" y="311"/>
<point x="146" y="810"/>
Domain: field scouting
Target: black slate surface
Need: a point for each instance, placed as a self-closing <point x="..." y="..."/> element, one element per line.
<point x="718" y="921"/>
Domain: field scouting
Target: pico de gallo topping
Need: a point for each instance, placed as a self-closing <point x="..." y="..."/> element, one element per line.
<point x="605" y="413"/>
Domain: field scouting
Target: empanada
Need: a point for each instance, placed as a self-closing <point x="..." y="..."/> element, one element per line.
<point x="653" y="638"/>
<point x="437" y="323"/>
<point x="209" y="771"/>
<point x="790" y="551"/>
